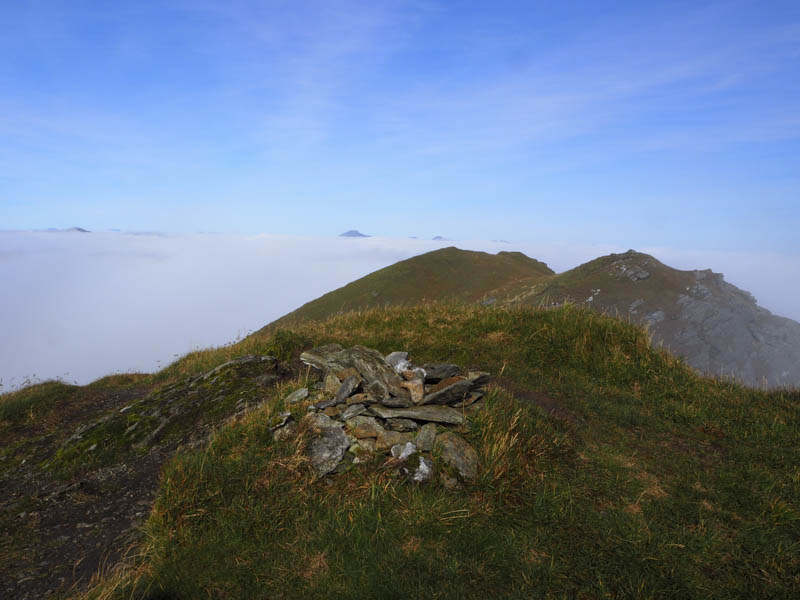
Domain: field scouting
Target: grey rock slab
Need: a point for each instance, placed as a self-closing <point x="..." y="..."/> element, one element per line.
<point x="437" y="414"/>
<point x="397" y="360"/>
<point x="425" y="437"/>
<point x="297" y="396"/>
<point x="435" y="372"/>
<point x="457" y="453"/>
<point x="353" y="411"/>
<point x="236" y="362"/>
<point x="347" y="389"/>
<point x="331" y="384"/>
<point x="455" y="392"/>
<point x="396" y="402"/>
<point x="328" y="443"/>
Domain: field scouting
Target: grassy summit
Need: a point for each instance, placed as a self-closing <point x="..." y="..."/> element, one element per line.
<point x="609" y="469"/>
<point x="441" y="275"/>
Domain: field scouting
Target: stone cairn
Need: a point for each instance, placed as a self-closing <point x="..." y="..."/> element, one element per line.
<point x="368" y="404"/>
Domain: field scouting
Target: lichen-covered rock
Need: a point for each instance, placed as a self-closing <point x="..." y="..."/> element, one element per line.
<point x="327" y="443"/>
<point x="456" y="452"/>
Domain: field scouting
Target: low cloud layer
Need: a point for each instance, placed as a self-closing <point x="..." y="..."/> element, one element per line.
<point x="79" y="306"/>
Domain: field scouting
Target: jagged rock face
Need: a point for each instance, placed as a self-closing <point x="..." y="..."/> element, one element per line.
<point x="721" y="330"/>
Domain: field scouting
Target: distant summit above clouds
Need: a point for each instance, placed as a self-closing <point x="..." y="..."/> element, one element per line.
<point x="354" y="233"/>
<point x="71" y="229"/>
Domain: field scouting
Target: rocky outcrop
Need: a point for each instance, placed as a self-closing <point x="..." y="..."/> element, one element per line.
<point x="368" y="405"/>
<point x="721" y="330"/>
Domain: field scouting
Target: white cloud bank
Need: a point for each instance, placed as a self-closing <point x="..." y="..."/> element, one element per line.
<point x="80" y="306"/>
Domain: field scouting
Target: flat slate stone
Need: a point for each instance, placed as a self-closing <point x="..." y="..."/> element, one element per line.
<point x="455" y="392"/>
<point x="348" y="387"/>
<point x="435" y="372"/>
<point x="437" y="414"/>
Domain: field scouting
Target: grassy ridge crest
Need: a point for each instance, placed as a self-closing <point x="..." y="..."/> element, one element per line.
<point x="610" y="469"/>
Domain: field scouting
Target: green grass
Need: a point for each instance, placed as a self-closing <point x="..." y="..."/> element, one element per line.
<point x="661" y="484"/>
<point x="25" y="404"/>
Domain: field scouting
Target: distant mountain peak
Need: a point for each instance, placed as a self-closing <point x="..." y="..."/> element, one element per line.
<point x="353" y="233"/>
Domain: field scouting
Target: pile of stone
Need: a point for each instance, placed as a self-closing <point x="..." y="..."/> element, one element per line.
<point x="368" y="404"/>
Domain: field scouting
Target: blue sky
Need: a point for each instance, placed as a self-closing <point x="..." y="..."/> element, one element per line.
<point x="672" y="124"/>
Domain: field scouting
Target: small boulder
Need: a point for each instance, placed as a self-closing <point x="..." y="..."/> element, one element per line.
<point x="348" y="387"/>
<point x="425" y="437"/>
<point x="331" y="384"/>
<point x="456" y="452"/>
<point x="327" y="444"/>
<point x="398" y="361"/>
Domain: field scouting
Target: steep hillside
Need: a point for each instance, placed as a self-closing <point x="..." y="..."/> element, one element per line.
<point x="716" y="327"/>
<point x="446" y="274"/>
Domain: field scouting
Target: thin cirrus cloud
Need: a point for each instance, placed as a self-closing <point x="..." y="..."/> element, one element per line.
<point x="82" y="305"/>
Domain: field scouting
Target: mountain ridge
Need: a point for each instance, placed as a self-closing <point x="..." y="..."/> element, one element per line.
<point x="716" y="327"/>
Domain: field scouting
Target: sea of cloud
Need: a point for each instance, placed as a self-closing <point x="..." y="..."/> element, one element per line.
<point x="78" y="306"/>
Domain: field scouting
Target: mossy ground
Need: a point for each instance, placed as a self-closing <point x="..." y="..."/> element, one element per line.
<point x="665" y="484"/>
